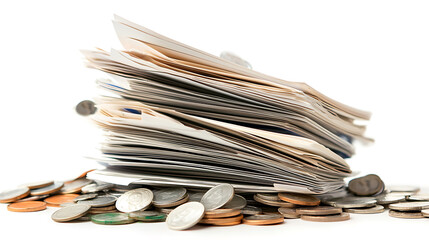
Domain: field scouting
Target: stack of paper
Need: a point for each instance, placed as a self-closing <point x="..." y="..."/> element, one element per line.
<point x="191" y="118"/>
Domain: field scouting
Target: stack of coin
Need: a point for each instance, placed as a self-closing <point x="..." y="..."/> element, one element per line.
<point x="408" y="209"/>
<point x="222" y="217"/>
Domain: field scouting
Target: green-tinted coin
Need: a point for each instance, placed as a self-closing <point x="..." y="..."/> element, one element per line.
<point x="148" y="216"/>
<point x="111" y="218"/>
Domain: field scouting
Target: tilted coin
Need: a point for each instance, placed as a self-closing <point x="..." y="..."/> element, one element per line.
<point x="165" y="210"/>
<point x="217" y="196"/>
<point x="195" y="196"/>
<point x="100" y="201"/>
<point x="112" y="218"/>
<point x="403" y="188"/>
<point x="135" y="200"/>
<point x="366" y="186"/>
<point x="85" y="197"/>
<point x="67" y="204"/>
<point x="86" y="107"/>
<point x="299" y="199"/>
<point x="409" y="206"/>
<point x="106" y="208"/>
<point x="14" y="194"/>
<point x="389" y="199"/>
<point x="29" y="206"/>
<point x="273" y="203"/>
<point x="237" y="202"/>
<point x="401" y="214"/>
<point x="94" y="187"/>
<point x="174" y="204"/>
<point x="75" y="186"/>
<point x="38" y="184"/>
<point x="92" y="211"/>
<point x="268" y="196"/>
<point x="224" y="220"/>
<point x="48" y="189"/>
<point x="327" y="218"/>
<point x="289" y="213"/>
<point x="70" y="213"/>
<point x="251" y="210"/>
<point x="425" y="212"/>
<point x="57" y="200"/>
<point x="185" y="216"/>
<point x="221" y="213"/>
<point x="168" y="195"/>
<point x="32" y="198"/>
<point x="267" y="219"/>
<point x="375" y="209"/>
<point x="418" y="197"/>
<point x="148" y="216"/>
<point x="319" y="210"/>
<point x="352" y="202"/>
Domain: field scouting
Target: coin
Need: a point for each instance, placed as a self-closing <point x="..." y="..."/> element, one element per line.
<point x="327" y="218"/>
<point x="425" y="212"/>
<point x="185" y="216"/>
<point x="85" y="108"/>
<point x="168" y="195"/>
<point x="299" y="199"/>
<point x="94" y="187"/>
<point x="106" y="208"/>
<point x="409" y="206"/>
<point x="221" y="213"/>
<point x="274" y="203"/>
<point x="85" y="197"/>
<point x="217" y="196"/>
<point x="75" y="186"/>
<point x="135" y="200"/>
<point x="85" y="218"/>
<point x="269" y="196"/>
<point x="389" y="199"/>
<point x="319" y="210"/>
<point x="112" y="218"/>
<point x="100" y="201"/>
<point x="14" y="194"/>
<point x="195" y="196"/>
<point x="224" y="220"/>
<point x="227" y="224"/>
<point x="267" y="219"/>
<point x="148" y="216"/>
<point x="70" y="213"/>
<point x="289" y="213"/>
<point x="352" y="202"/>
<point x="67" y="204"/>
<point x="418" y="197"/>
<point x="237" y="202"/>
<point x="29" y="206"/>
<point x="251" y="210"/>
<point x="57" y="200"/>
<point x="47" y="190"/>
<point x="32" y="198"/>
<point x="401" y="214"/>
<point x="39" y="184"/>
<point x="174" y="204"/>
<point x="366" y="186"/>
<point x="375" y="209"/>
<point x="165" y="210"/>
<point x="93" y="211"/>
<point x="403" y="188"/>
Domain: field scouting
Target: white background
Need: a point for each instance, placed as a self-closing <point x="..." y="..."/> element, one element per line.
<point x="372" y="55"/>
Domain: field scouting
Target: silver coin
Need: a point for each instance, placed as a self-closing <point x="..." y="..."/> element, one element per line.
<point x="195" y="196"/>
<point x="143" y="214"/>
<point x="410" y="215"/>
<point x="33" y="198"/>
<point x="403" y="188"/>
<point x="100" y="201"/>
<point x="278" y="203"/>
<point x="268" y="196"/>
<point x="418" y="197"/>
<point x="85" y="197"/>
<point x="375" y="209"/>
<point x="14" y="194"/>
<point x="217" y="196"/>
<point x="94" y="187"/>
<point x="75" y="186"/>
<point x="168" y="195"/>
<point x="289" y="213"/>
<point x="70" y="213"/>
<point x="38" y="184"/>
<point x="185" y="216"/>
<point x="237" y="202"/>
<point x="409" y="206"/>
<point x="265" y="216"/>
<point x="251" y="210"/>
<point x="135" y="200"/>
<point x="352" y="202"/>
<point x="48" y="189"/>
<point x="67" y="204"/>
<point x="389" y="199"/>
<point x="86" y="108"/>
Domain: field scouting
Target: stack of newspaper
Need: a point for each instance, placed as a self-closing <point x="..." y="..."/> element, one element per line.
<point x="189" y="118"/>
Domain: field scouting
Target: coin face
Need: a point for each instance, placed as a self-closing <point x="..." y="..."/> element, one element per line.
<point x="85" y="197"/>
<point x="319" y="210"/>
<point x="401" y="214"/>
<point x="14" y="194"/>
<point x="327" y="218"/>
<point x="185" y="216"/>
<point x="266" y="219"/>
<point x="366" y="186"/>
<point x="389" y="199"/>
<point x="70" y="213"/>
<point x="409" y="206"/>
<point x="299" y="199"/>
<point x="217" y="196"/>
<point x="168" y="195"/>
<point x="352" y="202"/>
<point x="28" y="206"/>
<point x="86" y="108"/>
<point x="111" y="218"/>
<point x="135" y="200"/>
<point x="75" y="186"/>
<point x="237" y="202"/>
<point x="48" y="189"/>
<point x="100" y="201"/>
<point x="39" y="184"/>
<point x="375" y="209"/>
<point x="290" y="213"/>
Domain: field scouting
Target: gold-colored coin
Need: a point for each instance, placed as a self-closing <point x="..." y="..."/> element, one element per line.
<point x="28" y="206"/>
<point x="268" y="219"/>
<point x="225" y="220"/>
<point x="327" y="218"/>
<point x="221" y="213"/>
<point x="401" y="214"/>
<point x="299" y="199"/>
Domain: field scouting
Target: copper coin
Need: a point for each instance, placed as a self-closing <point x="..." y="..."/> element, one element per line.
<point x="57" y="200"/>
<point x="327" y="218"/>
<point x="268" y="196"/>
<point x="289" y="213"/>
<point x="319" y="210"/>
<point x="299" y="199"/>
<point x="273" y="203"/>
<point x="375" y="209"/>
<point x="227" y="224"/>
<point x="29" y="206"/>
<point x="366" y="186"/>
<point x="14" y="194"/>
<point x="221" y="213"/>
<point x="264" y="219"/>
<point x="400" y="214"/>
<point x="225" y="220"/>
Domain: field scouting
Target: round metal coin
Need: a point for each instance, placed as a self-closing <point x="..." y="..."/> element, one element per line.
<point x="319" y="210"/>
<point x="60" y="199"/>
<point x="267" y="219"/>
<point x="39" y="184"/>
<point x="327" y="218"/>
<point x="185" y="216"/>
<point x="273" y="203"/>
<point x="389" y="199"/>
<point x="237" y="202"/>
<point x="29" y="206"/>
<point x="13" y="195"/>
<point x="251" y="210"/>
<point x="400" y="214"/>
<point x="86" y="107"/>
<point x="100" y="201"/>
<point x="217" y="196"/>
<point x="135" y="200"/>
<point x="112" y="218"/>
<point x="299" y="199"/>
<point x="375" y="209"/>
<point x="222" y="213"/>
<point x="409" y="206"/>
<point x="85" y="197"/>
<point x="167" y="196"/>
<point x="352" y="202"/>
<point x="75" y="186"/>
<point x="269" y="196"/>
<point x="48" y="189"/>
<point x="289" y="213"/>
<point x="70" y="213"/>
<point x="425" y="212"/>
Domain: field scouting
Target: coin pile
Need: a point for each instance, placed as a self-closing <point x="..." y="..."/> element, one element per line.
<point x="81" y="200"/>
